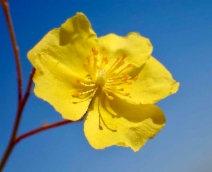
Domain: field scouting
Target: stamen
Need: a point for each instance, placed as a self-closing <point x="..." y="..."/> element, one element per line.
<point x="114" y="64"/>
<point x="124" y="55"/>
<point x="112" y="90"/>
<point x="128" y="66"/>
<point x="135" y="79"/>
<point x="82" y="83"/>
<point x="119" y="62"/>
<point x="103" y="49"/>
<point x="95" y="51"/>
<point x="90" y="93"/>
<point x="118" y="88"/>
<point x="78" y="80"/>
<point x="105" y="59"/>
<point x="126" y="94"/>
<point x="88" y="58"/>
<point x="126" y="76"/>
<point x="87" y="85"/>
<point x="84" y="99"/>
<point x="109" y="97"/>
<point x="129" y="82"/>
<point x="85" y="65"/>
<point x="117" y="82"/>
<point x="119" y="79"/>
<point x="77" y="94"/>
<point x="103" y="62"/>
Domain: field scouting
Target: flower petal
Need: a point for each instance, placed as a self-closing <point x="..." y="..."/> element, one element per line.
<point x="69" y="44"/>
<point x="154" y="83"/>
<point x="76" y="29"/>
<point x="56" y="84"/>
<point x="119" y="123"/>
<point x="137" y="48"/>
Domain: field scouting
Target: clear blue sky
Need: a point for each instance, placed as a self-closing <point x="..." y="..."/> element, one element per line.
<point x="181" y="33"/>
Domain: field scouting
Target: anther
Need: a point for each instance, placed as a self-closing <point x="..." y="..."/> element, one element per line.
<point x="126" y="76"/>
<point x="111" y="97"/>
<point x="118" y="58"/>
<point x="129" y="82"/>
<point x="85" y="65"/>
<point x="103" y="49"/>
<point x="77" y="94"/>
<point x="121" y="63"/>
<point x="93" y="49"/>
<point x="124" y="55"/>
<point x="88" y="58"/>
<point x="135" y="79"/>
<point x="95" y="52"/>
<point x="126" y="94"/>
<point x="78" y="80"/>
<point x="105" y="59"/>
<point x="129" y="65"/>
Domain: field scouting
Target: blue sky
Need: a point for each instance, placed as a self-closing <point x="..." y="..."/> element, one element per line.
<point x="181" y="34"/>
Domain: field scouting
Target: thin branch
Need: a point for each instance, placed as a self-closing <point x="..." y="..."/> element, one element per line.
<point x="27" y="93"/>
<point x="11" y="144"/>
<point x="43" y="128"/>
<point x="5" y="6"/>
<point x="17" y="122"/>
<point x="22" y="105"/>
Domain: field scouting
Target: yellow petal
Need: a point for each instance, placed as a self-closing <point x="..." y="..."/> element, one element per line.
<point x="76" y="29"/>
<point x="56" y="84"/>
<point x="154" y="83"/>
<point x="119" y="123"/>
<point x="137" y="48"/>
<point x="69" y="44"/>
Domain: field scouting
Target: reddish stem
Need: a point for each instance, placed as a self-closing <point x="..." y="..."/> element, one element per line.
<point x="17" y="122"/>
<point x="5" y="6"/>
<point x="40" y="129"/>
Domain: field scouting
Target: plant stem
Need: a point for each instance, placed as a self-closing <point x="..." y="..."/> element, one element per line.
<point x="17" y="122"/>
<point x="5" y="6"/>
<point x="40" y="129"/>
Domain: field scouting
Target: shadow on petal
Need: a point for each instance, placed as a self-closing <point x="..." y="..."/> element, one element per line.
<point x="132" y="112"/>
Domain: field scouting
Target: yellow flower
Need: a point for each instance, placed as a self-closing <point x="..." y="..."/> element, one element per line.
<point x="112" y="78"/>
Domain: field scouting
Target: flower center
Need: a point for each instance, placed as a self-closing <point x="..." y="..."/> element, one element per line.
<point x="101" y="79"/>
<point x="113" y="81"/>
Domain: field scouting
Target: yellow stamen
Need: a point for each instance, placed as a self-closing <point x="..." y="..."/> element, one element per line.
<point x="126" y="94"/>
<point x="135" y="79"/>
<point x="85" y="65"/>
<point x="77" y="94"/>
<point x="88" y="58"/>
<point x="105" y="59"/>
<point x="110" y="97"/>
<point x="78" y="80"/>
<point x="84" y="84"/>
<point x="126" y="76"/>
